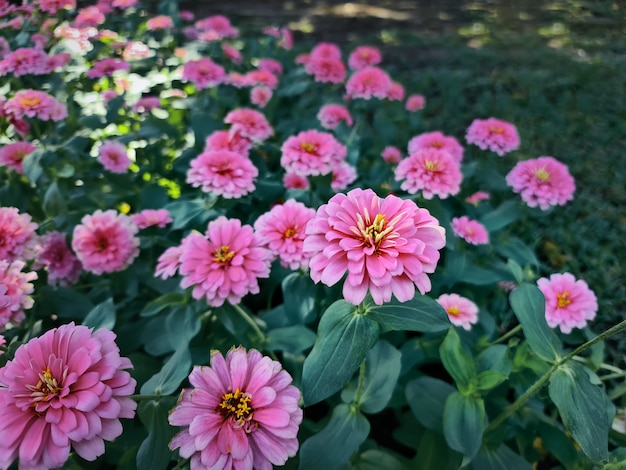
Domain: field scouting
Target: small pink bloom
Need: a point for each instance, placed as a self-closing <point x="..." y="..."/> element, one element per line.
<point x="261" y="77"/>
<point x="232" y="53"/>
<point x="203" y="73"/>
<point x="52" y="6"/>
<point x="326" y="70"/>
<point x="114" y="157"/>
<point x="186" y="15"/>
<point x="437" y="140"/>
<point x="302" y="59"/>
<point x="434" y="172"/>
<point x="108" y="95"/>
<point x="152" y="217"/>
<point x="386" y="246"/>
<point x="146" y="104"/>
<point x="569" y="302"/>
<point x="293" y="181"/>
<point x="344" y="175"/>
<point x="326" y="50"/>
<point x="391" y="154"/>
<point x="169" y="262"/>
<point x="107" y="67"/>
<point x="477" y="197"/>
<point x="330" y="115"/>
<point x="237" y="80"/>
<point x="216" y="27"/>
<point x="124" y="4"/>
<point x="224" y="173"/>
<point x="19" y="288"/>
<point x="260" y="95"/>
<point x="367" y="83"/>
<point x="498" y="136"/>
<point x="286" y="38"/>
<point x="18" y="239"/>
<point x="12" y="155"/>
<point x="62" y="266"/>
<point x="105" y="242"/>
<point x="136" y="50"/>
<point x="364" y="56"/>
<point x="470" y="230"/>
<point x="542" y="182"/>
<point x="33" y="103"/>
<point x="415" y="103"/>
<point x="159" y="22"/>
<point x="89" y="16"/>
<point x="396" y="92"/>
<point x="312" y="153"/>
<point x="249" y="123"/>
<point x="224" y="140"/>
<point x="272" y="66"/>
<point x="461" y="311"/>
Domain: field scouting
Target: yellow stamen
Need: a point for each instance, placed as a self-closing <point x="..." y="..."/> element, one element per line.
<point x="307" y="147"/>
<point x="290" y="232"/>
<point x="496" y="130"/>
<point x="373" y="233"/>
<point x="431" y="165"/>
<point x="26" y="101"/>
<point x="236" y="405"/>
<point x="223" y="254"/>
<point x="542" y="174"/>
<point x="437" y="145"/>
<point x="454" y="311"/>
<point x="563" y="299"/>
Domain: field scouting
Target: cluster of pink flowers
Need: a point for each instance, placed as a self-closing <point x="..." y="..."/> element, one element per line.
<point x="493" y="134"/>
<point x="18" y="239"/>
<point x="114" y="157"/>
<point x="437" y="140"/>
<point x="107" y="67"/>
<point x="58" y="260"/>
<point x="368" y="83"/>
<point x="431" y="171"/>
<point x="33" y="103"/>
<point x="470" y="230"/>
<point x="364" y="56"/>
<point x="12" y="155"/>
<point x="52" y="6"/>
<point x="250" y="124"/>
<point x="331" y="115"/>
<point x="19" y="287"/>
<point x="224" y="173"/>
<point x="312" y="153"/>
<point x="151" y="218"/>
<point x="461" y="310"/>
<point x="203" y="73"/>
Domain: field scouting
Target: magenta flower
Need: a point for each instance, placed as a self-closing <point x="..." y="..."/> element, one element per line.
<point x="217" y="27"/>
<point x="24" y="61"/>
<point x="146" y="104"/>
<point x="105" y="242"/>
<point x="18" y="239"/>
<point x="159" y="22"/>
<point x="203" y="73"/>
<point x="12" y="155"/>
<point x="152" y="217"/>
<point x="242" y="413"/>
<point x="326" y="50"/>
<point x="250" y="124"/>
<point x="282" y="231"/>
<point x="367" y="83"/>
<point x="330" y="115"/>
<point x="271" y="65"/>
<point x="19" y="288"/>
<point x="470" y="230"/>
<point x="169" y="262"/>
<point x="386" y="246"/>
<point x="344" y="175"/>
<point x="260" y="95"/>
<point x="261" y="77"/>
<point x="34" y="103"/>
<point x="114" y="157"/>
<point x="434" y="172"/>
<point x="52" y="6"/>
<point x="415" y="103"/>
<point x="62" y="265"/>
<point x="326" y="70"/>
<point x="461" y="311"/>
<point x="498" y="136"/>
<point x="542" y="182"/>
<point x="293" y="181"/>
<point x="224" y="173"/>
<point x="66" y="389"/>
<point x="312" y="153"/>
<point x="477" y="197"/>
<point x="225" y="264"/>
<point x="364" y="56"/>
<point x="5" y="301"/>
<point x="437" y="140"/>
<point x="224" y="140"/>
<point x="391" y="154"/>
<point x="396" y="92"/>
<point x="89" y="16"/>
<point x="569" y="302"/>
<point x="106" y="67"/>
<point x="232" y="53"/>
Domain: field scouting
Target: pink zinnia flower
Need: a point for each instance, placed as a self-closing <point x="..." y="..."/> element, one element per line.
<point x="281" y="230"/>
<point x="89" y="16"/>
<point x="498" y="136"/>
<point x="326" y="50"/>
<point x="367" y="83"/>
<point x="159" y="22"/>
<point x="114" y="157"/>
<point x="569" y="302"/>
<point x="434" y="172"/>
<point x="5" y="301"/>
<point x="224" y="173"/>
<point x="326" y="70"/>
<point x="415" y="103"/>
<point x="152" y="217"/>
<point x="232" y="53"/>
<point x="123" y="4"/>
<point x="312" y="153"/>
<point x="344" y="175"/>
<point x="477" y="197"/>
<point x="542" y="182"/>
<point x="12" y="155"/>
<point x="293" y="181"/>
<point x="169" y="262"/>
<point x="203" y="73"/>
<point x="107" y="67"/>
<point x="364" y="56"/>
<point x="224" y="140"/>
<point x="386" y="246"/>
<point x="225" y="264"/>
<point x="242" y="413"/>
<point x="33" y="103"/>
<point x="19" y="288"/>
<point x="391" y="154"/>
<point x="146" y="104"/>
<point x="437" y="140"/>
<point x="18" y="239"/>
<point x="261" y="77"/>
<point x="218" y="27"/>
<point x="249" y="123"/>
<point x="396" y="92"/>
<point x="136" y="50"/>
<point x="24" y="61"/>
<point x="105" y="242"/>
<point x="260" y="95"/>
<point x="61" y="264"/>
<point x="461" y="311"/>
<point x="330" y="115"/>
<point x="186" y="15"/>
<point x="470" y="230"/>
<point x="65" y="389"/>
<point x="271" y="65"/>
<point x="52" y="6"/>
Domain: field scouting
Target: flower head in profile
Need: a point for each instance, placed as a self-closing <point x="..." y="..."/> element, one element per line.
<point x="231" y="141"/>
<point x="331" y="115"/>
<point x="472" y="231"/>
<point x="203" y="73"/>
<point x="493" y="134"/>
<point x="19" y="288"/>
<point x="151" y="218"/>
<point x="18" y="239"/>
<point x="225" y="264"/>
<point x="56" y="257"/>
<point x="434" y="172"/>
<point x="64" y="390"/>
<point x="368" y="83"/>
<point x="312" y="153"/>
<point x="344" y="175"/>
<point x="415" y="103"/>
<point x="114" y="157"/>
<point x="437" y="140"/>
<point x="169" y="262"/>
<point x="242" y="413"/>
<point x="224" y="173"/>
<point x="542" y="182"/>
<point x="391" y="154"/>
<point x="386" y="246"/>
<point x="12" y="155"/>
<point x="461" y="311"/>
<point x="364" y="56"/>
<point x="477" y="197"/>
<point x="250" y="124"/>
<point x="569" y="301"/>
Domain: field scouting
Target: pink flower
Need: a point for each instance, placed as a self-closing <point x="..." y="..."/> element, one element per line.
<point x="169" y="262"/>
<point x="124" y="4"/>
<point x="261" y="77"/>
<point x="62" y="266"/>
<point x="434" y="172"/>
<point x="281" y="230"/>
<point x="330" y="115"/>
<point x="470" y="230"/>
<point x="326" y="50"/>
<point x="232" y="53"/>
<point x="386" y="246"/>
<point x="477" y="197"/>
<point x="203" y="73"/>
<point x="237" y="80"/>
<point x="89" y="16"/>
<point x="461" y="311"/>
<point x="364" y="56"/>
<point x="391" y="154"/>
<point x="114" y="157"/>
<point x="569" y="302"/>
<point x="136" y="50"/>
<point x="437" y="140"/>
<point x="106" y="68"/>
<point x="498" y="136"/>
<point x="18" y="239"/>
<point x="250" y="124"/>
<point x="542" y="182"/>
<point x="5" y="301"/>
<point x="24" y="61"/>
<point x="146" y="104"/>
<point x="159" y="22"/>
<point x="326" y="70"/>
<point x="52" y="6"/>
<point x="395" y="92"/>
<point x="225" y="264"/>
<point x="224" y="140"/>
<point x="367" y="83"/>
<point x="19" y="288"/>
<point x="12" y="155"/>
<point x="242" y="413"/>
<point x="344" y="175"/>
<point x="65" y="389"/>
<point x="186" y="15"/>
<point x="260" y="95"/>
<point x="217" y="27"/>
<point x="293" y="181"/>
<point x="105" y="242"/>
<point x="33" y="103"/>
<point x="271" y="65"/>
<point x="224" y="173"/>
<point x="312" y="153"/>
<point x="415" y="103"/>
<point x="152" y="217"/>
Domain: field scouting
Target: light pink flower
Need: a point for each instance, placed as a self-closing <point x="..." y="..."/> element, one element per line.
<point x="224" y="173"/>
<point x="159" y="22"/>
<point x="217" y="27"/>
<point x="542" y="182"/>
<point x="108" y="95"/>
<point x="477" y="197"/>
<point x="367" y="83"/>
<point x="386" y="246"/>
<point x="302" y="59"/>
<point x="415" y="103"/>
<point x="152" y="217"/>
<point x="203" y="73"/>
<point x="19" y="288"/>
<point x="225" y="264"/>
<point x="293" y="181"/>
<point x="33" y="103"/>
<point x="271" y="65"/>
<point x="107" y="67"/>
<point x="498" y="136"/>
<point x="169" y="262"/>
<point x="569" y="302"/>
<point x="5" y="301"/>
<point x="18" y="239"/>
<point x="232" y="53"/>
<point x="242" y="413"/>
<point x="66" y="389"/>
<point x="114" y="157"/>
<point x="395" y="92"/>
<point x="326" y="70"/>
<point x="260" y="95"/>
<point x="52" y="6"/>
<point x="437" y="140"/>
<point x="249" y="123"/>
<point x="12" y="155"/>
<point x="237" y="80"/>
<point x="344" y="175"/>
<point x="24" y="61"/>
<point x="124" y="4"/>
<point x="186" y="15"/>
<point x="136" y="50"/>
<point x="89" y="16"/>
<point x="330" y="115"/>
<point x="261" y="77"/>
<point x="105" y="242"/>
<point x="326" y="50"/>
<point x="434" y="172"/>
<point x="61" y="264"/>
<point x="281" y="230"/>
<point x="312" y="153"/>
<point x="470" y="230"/>
<point x="146" y="104"/>
<point x="364" y="56"/>
<point x="391" y="154"/>
<point x="224" y="140"/>
<point x="461" y="311"/>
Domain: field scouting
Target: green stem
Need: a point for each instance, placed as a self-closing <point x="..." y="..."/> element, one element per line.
<point x="139" y="397"/>
<point x="359" y="390"/>
<point x="250" y="321"/>
<point x="507" y="335"/>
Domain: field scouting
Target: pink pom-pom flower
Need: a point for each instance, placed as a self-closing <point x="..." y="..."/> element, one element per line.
<point x="312" y="153"/>
<point x="224" y="173"/>
<point x="434" y="172"/>
<point x="493" y="134"/>
<point x="470" y="230"/>
<point x="461" y="311"/>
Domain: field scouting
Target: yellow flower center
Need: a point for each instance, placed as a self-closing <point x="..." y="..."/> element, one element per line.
<point x="542" y="174"/>
<point x="437" y="145"/>
<point x="46" y="387"/>
<point x="236" y="405"/>
<point x="307" y="147"/>
<point x="563" y="299"/>
<point x="27" y="101"/>
<point x="431" y="165"/>
<point x="496" y="130"/>
<point x="290" y="232"/>
<point x="223" y="254"/>
<point x="454" y="311"/>
<point x="373" y="233"/>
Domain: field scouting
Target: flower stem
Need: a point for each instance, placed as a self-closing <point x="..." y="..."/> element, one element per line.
<point x="507" y="335"/>
<point x="139" y="397"/>
<point x="255" y="327"/>
<point x="359" y="390"/>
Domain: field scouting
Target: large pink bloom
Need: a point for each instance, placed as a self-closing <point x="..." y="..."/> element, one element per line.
<point x="437" y="140"/>
<point x="326" y="50"/>
<point x="203" y="73"/>
<point x="434" y="172"/>
<point x="461" y="311"/>
<point x="62" y="265"/>
<point x="364" y="56"/>
<point x="569" y="302"/>
<point x="105" y="242"/>
<point x="326" y="70"/>
<point x="312" y="153"/>
<point x="498" y="136"/>
<point x="18" y="239"/>
<point x="367" y="83"/>
<point x="227" y="174"/>
<point x="250" y="124"/>
<point x="225" y="264"/>
<point x="330" y="115"/>
<point x="34" y="103"/>
<point x="282" y="231"/>
<point x="24" y="61"/>
<point x="470" y="230"/>
<point x="542" y="182"/>
<point x="242" y="414"/>
<point x="386" y="246"/>
<point x="19" y="288"/>
<point x="114" y="157"/>
<point x="12" y="155"/>
<point x="66" y="389"/>
<point x="224" y="140"/>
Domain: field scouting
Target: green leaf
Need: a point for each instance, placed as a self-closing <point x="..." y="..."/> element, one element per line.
<point x="53" y="201"/>
<point x="161" y="303"/>
<point x="585" y="409"/>
<point x="184" y="212"/>
<point x="529" y="305"/>
<point x="101" y="316"/>
<point x="489" y="379"/>
<point x="65" y="302"/>
<point x="495" y="357"/>
<point x="433" y="453"/>
<point x="154" y="452"/>
<point x="344" y="338"/>
<point x="418" y="314"/>
<point x="32" y="165"/>
<point x="299" y="297"/>
<point x="458" y="362"/>
<point x="516" y="250"/>
<point x="463" y="423"/>
<point x="173" y="372"/>
<point x="376" y="459"/>
<point x="502" y="458"/>
<point x="505" y="214"/>
<point x="332" y="447"/>
<point x="427" y="397"/>
<point x="294" y="339"/>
